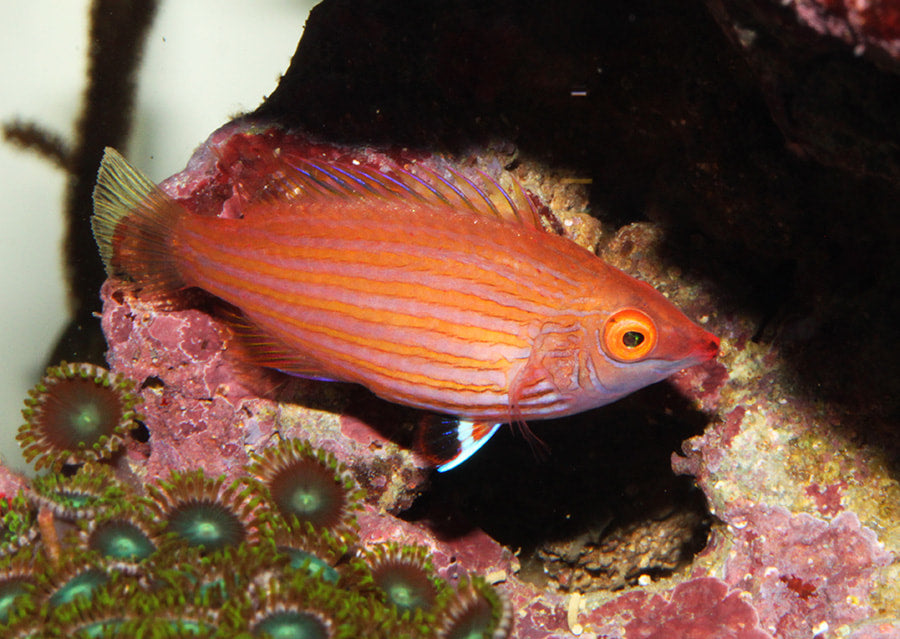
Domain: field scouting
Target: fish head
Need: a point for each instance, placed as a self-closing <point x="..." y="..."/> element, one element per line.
<point x="639" y="338"/>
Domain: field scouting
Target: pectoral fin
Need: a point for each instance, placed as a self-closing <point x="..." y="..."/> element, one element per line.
<point x="258" y="347"/>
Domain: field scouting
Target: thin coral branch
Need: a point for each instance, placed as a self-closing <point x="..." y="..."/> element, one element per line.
<point x="33" y="137"/>
<point x="117" y="35"/>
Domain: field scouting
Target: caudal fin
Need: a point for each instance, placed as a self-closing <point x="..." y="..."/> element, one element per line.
<point x="133" y="225"/>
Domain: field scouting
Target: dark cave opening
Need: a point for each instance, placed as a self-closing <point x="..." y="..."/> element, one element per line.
<point x="600" y="509"/>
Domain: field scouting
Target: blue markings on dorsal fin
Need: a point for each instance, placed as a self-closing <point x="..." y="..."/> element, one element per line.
<point x="484" y="195"/>
<point x="304" y="179"/>
<point x="312" y="177"/>
<point x="488" y="199"/>
<point x="430" y="192"/>
<point x="358" y="178"/>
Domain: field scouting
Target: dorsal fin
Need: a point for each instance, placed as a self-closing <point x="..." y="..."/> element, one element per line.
<point x="304" y="178"/>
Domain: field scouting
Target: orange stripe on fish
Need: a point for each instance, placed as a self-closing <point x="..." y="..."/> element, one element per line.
<point x="442" y="293"/>
<point x="332" y="292"/>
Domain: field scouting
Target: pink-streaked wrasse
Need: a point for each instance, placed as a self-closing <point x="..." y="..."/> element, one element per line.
<point x="439" y="292"/>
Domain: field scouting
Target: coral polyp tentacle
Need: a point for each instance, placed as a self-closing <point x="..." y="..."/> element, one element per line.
<point x="235" y="573"/>
<point x="296" y="606"/>
<point x="124" y="536"/>
<point x="78" y="575"/>
<point x="205" y="511"/>
<point x="308" y="484"/>
<point x="77" y="413"/>
<point x="475" y="610"/>
<point x="317" y="552"/>
<point x="84" y="495"/>
<point x="122" y="611"/>
<point x="18" y="524"/>
<point x="404" y="575"/>
<point x="105" y="610"/>
<point x="18" y="581"/>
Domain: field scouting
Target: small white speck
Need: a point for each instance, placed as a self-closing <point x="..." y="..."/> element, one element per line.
<point x="821" y="628"/>
<point x="645" y="580"/>
<point x="578" y="93"/>
<point x="355" y="162"/>
<point x="745" y="36"/>
<point x="740" y="524"/>
<point x="495" y="577"/>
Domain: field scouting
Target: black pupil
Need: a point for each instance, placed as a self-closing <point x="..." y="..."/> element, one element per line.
<point x="632" y="339"/>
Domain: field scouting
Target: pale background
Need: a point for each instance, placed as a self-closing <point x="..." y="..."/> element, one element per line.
<point x="205" y="60"/>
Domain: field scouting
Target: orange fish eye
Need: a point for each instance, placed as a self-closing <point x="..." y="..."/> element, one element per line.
<point x="629" y="335"/>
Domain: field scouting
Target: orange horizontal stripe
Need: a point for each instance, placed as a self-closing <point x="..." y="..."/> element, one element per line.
<point x="221" y="283"/>
<point x="397" y="306"/>
<point x="490" y="259"/>
<point x="356" y="363"/>
<point x="495" y="246"/>
<point x="241" y="276"/>
<point x="314" y="263"/>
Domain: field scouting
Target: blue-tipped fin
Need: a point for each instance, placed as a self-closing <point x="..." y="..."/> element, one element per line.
<point x="448" y="441"/>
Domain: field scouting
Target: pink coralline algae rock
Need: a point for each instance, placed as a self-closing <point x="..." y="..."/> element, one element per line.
<point x="702" y="607"/>
<point x="801" y="571"/>
<point x="795" y="553"/>
<point x="791" y="493"/>
<point x="192" y="391"/>
<point x="871" y="24"/>
<point x="205" y="407"/>
<point x="885" y="629"/>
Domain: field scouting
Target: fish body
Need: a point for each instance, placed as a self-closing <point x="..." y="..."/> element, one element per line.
<point x="432" y="292"/>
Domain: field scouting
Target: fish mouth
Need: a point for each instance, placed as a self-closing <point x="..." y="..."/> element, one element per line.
<point x="707" y="348"/>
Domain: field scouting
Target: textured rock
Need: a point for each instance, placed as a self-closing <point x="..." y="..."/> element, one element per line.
<point x="739" y="181"/>
<point x="801" y="540"/>
<point x="829" y="73"/>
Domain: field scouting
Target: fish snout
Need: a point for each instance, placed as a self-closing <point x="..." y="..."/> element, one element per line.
<point x="707" y="347"/>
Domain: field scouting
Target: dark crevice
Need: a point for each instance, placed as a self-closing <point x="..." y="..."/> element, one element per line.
<point x="605" y="483"/>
